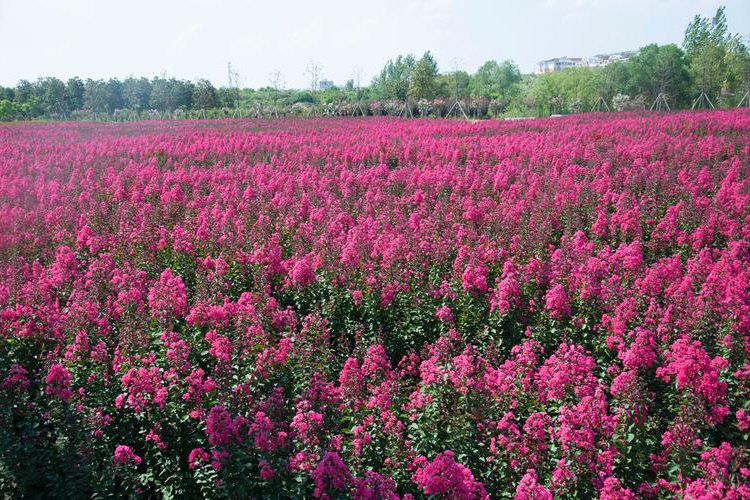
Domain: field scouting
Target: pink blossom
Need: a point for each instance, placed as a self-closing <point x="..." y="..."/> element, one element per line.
<point x="58" y="382"/>
<point x="331" y="475"/>
<point x="530" y="489"/>
<point x="444" y="476"/>
<point x="197" y="457"/>
<point x="124" y="455"/>
<point x="557" y="303"/>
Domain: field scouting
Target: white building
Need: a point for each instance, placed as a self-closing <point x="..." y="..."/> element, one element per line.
<point x="560" y="63"/>
<point x="597" y="61"/>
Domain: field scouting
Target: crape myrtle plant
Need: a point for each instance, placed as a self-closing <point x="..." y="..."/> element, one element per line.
<point x="377" y="308"/>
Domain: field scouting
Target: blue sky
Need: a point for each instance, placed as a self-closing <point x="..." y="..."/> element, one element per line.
<point x="195" y="38"/>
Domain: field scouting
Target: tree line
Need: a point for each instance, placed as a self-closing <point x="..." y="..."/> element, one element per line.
<point x="710" y="69"/>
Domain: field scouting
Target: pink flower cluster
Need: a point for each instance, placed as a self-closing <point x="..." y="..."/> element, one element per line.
<point x="124" y="455"/>
<point x="379" y="308"/>
<point x="444" y="476"/>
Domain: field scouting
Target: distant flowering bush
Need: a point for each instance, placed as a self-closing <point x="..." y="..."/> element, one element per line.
<point x="377" y="308"/>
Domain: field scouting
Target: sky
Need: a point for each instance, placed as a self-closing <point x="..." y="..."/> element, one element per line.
<point x="194" y="39"/>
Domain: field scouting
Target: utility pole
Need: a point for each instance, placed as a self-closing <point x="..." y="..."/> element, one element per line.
<point x="313" y="71"/>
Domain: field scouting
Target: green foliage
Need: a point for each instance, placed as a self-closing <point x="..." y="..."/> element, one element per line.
<point x="170" y="94"/>
<point x="74" y="90"/>
<point x="496" y="81"/>
<point x="7" y="110"/>
<point x="706" y="46"/>
<point x="204" y="95"/>
<point x="96" y="96"/>
<point x="394" y="79"/>
<point x="136" y="93"/>
<point x="660" y="68"/>
<point x="422" y="83"/>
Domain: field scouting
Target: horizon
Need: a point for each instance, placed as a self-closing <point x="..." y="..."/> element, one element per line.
<point x="197" y="38"/>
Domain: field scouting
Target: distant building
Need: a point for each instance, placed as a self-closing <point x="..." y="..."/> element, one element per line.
<point x="597" y="61"/>
<point x="560" y="63"/>
<point x="604" y="59"/>
<point x="325" y="84"/>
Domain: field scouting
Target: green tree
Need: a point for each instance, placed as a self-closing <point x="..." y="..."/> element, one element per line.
<point x="487" y="80"/>
<point x="51" y="91"/>
<point x="656" y="69"/>
<point x="31" y="108"/>
<point x="7" y="110"/>
<point x="500" y="82"/>
<point x="614" y="78"/>
<point x="705" y="46"/>
<point x="96" y="96"/>
<point x="24" y="91"/>
<point x="548" y="94"/>
<point x="738" y="67"/>
<point x="114" y="94"/>
<point x="136" y="93"/>
<point x="7" y="93"/>
<point x="170" y="94"/>
<point x="184" y="93"/>
<point x="393" y="80"/>
<point x="74" y="90"/>
<point x="510" y="77"/>
<point x="422" y="84"/>
<point x="226" y="97"/>
<point x="448" y="84"/>
<point x="204" y="95"/>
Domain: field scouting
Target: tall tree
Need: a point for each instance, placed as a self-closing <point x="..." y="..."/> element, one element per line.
<point x="136" y="93"/>
<point x="74" y="89"/>
<point x="163" y="96"/>
<point x="738" y="67"/>
<point x="52" y="93"/>
<point x="457" y="82"/>
<point x="170" y="94"/>
<point x="486" y="81"/>
<point x="614" y="79"/>
<point x="114" y="95"/>
<point x="393" y="80"/>
<point x="183" y="92"/>
<point x="96" y="96"/>
<point x="204" y="95"/>
<point x="227" y="97"/>
<point x="705" y="46"/>
<point x="497" y="81"/>
<point x="423" y="78"/>
<point x="8" y="110"/>
<point x="659" y="69"/>
<point x="7" y="93"/>
<point x="24" y="91"/>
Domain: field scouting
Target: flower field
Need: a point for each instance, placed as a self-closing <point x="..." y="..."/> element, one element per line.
<point x="377" y="308"/>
